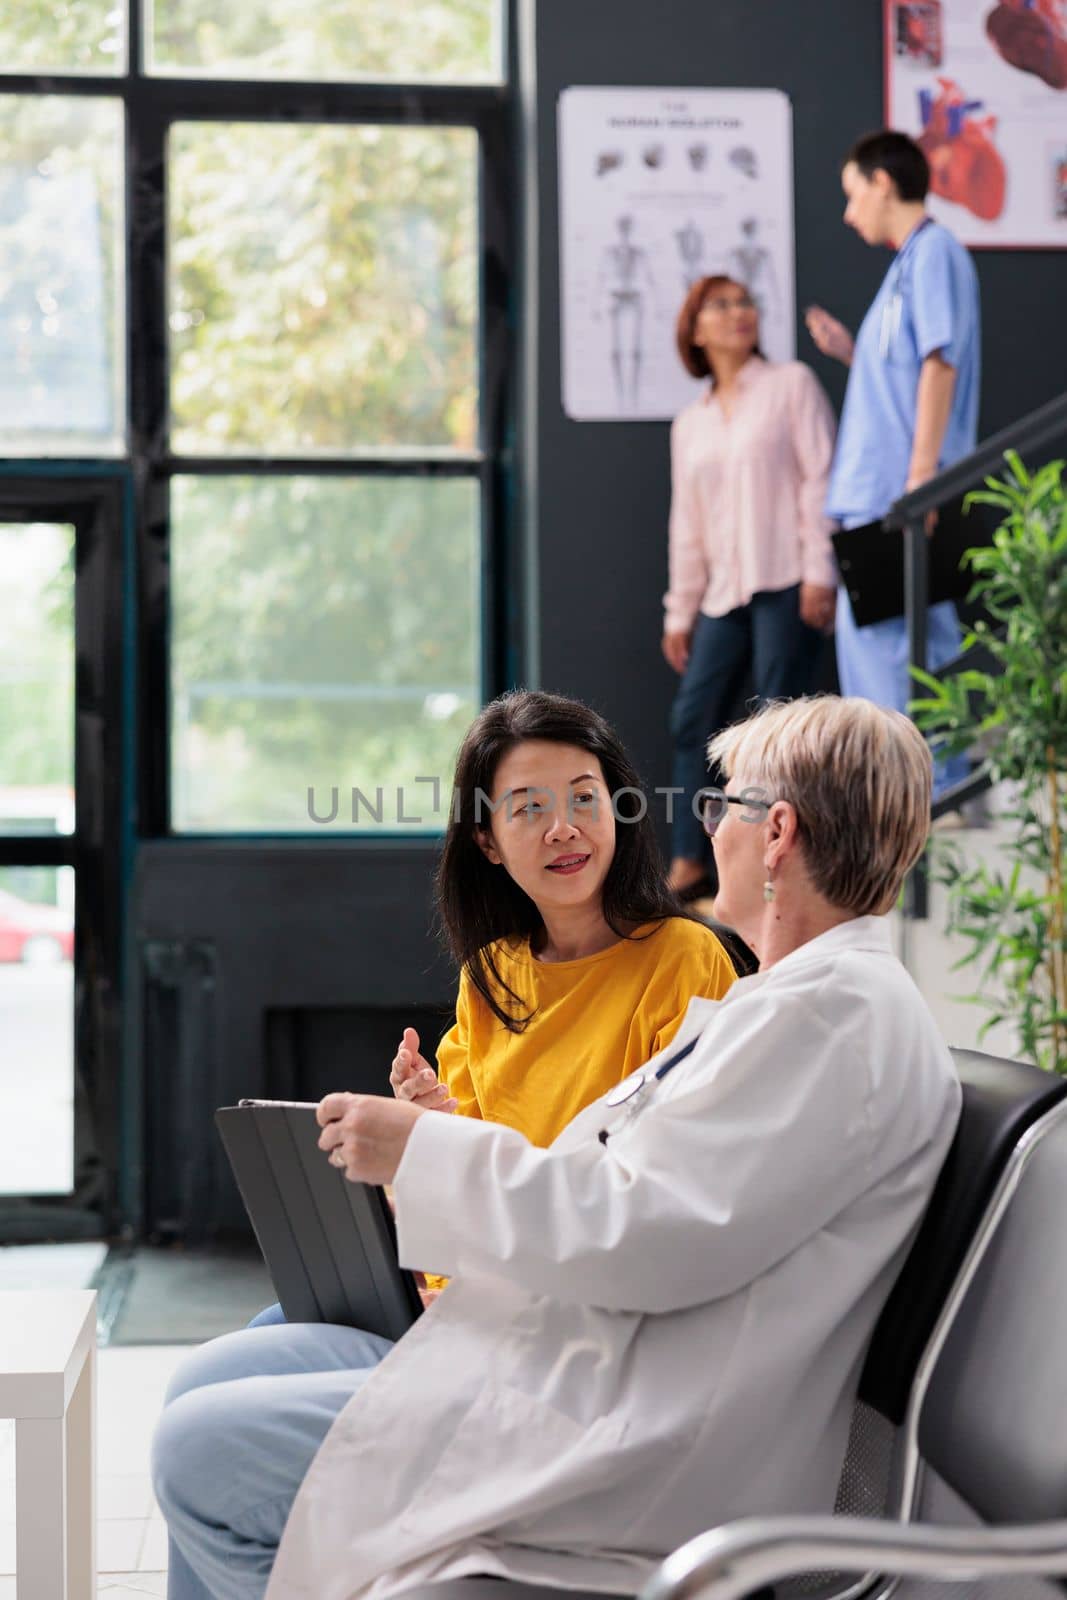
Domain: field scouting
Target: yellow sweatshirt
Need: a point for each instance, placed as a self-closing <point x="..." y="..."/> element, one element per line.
<point x="595" y="1021"/>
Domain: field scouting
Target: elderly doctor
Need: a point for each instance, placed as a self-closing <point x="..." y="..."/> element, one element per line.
<point x="655" y="1324"/>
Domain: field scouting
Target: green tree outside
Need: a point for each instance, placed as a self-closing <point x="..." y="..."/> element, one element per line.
<point x="322" y="287"/>
<point x="449" y="41"/>
<point x="325" y="632"/>
<point x="443" y="41"/>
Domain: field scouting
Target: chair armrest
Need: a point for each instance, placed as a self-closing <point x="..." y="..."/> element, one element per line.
<point x="730" y="1562"/>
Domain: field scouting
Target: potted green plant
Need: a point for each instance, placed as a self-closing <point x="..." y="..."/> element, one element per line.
<point x="1012" y="705"/>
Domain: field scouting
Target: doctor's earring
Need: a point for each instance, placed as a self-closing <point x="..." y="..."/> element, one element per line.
<point x="768" y="890"/>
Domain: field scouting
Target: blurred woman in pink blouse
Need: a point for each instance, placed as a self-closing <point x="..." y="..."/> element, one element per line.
<point x="752" y="575"/>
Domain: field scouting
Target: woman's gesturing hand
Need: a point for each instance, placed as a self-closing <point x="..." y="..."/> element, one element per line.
<point x="364" y="1135"/>
<point x="831" y="336"/>
<point x="412" y="1078"/>
<point x="676" y="649"/>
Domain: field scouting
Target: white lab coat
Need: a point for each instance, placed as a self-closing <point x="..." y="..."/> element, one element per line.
<point x="646" y="1338"/>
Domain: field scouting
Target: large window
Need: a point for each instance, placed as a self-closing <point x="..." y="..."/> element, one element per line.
<point x="37" y="678"/>
<point x="323" y="288"/>
<point x="315" y="194"/>
<point x="62" y="302"/>
<point x="312" y="664"/>
<point x="60" y="779"/>
<point x="80" y="37"/>
<point x="36" y="902"/>
<point x="446" y="41"/>
<point x="254" y="363"/>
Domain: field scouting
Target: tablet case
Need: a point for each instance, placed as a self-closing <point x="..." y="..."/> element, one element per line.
<point x="871" y="562"/>
<point x="329" y="1245"/>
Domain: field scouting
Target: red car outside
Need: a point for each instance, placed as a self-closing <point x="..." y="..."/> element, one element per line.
<point x="32" y="933"/>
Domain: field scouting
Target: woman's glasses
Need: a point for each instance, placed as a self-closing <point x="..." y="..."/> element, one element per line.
<point x="713" y="804"/>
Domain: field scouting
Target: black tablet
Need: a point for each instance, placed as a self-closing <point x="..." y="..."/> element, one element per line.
<point x="329" y="1245"/>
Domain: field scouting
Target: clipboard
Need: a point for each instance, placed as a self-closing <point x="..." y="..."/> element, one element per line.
<point x="329" y="1245"/>
<point x="871" y="562"/>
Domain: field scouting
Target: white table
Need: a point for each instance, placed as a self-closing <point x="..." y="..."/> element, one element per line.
<point x="48" y="1385"/>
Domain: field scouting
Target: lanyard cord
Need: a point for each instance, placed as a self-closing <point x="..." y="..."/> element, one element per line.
<point x="893" y="303"/>
<point x="897" y="269"/>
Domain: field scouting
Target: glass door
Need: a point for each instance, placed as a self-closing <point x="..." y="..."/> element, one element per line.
<point x="61" y="744"/>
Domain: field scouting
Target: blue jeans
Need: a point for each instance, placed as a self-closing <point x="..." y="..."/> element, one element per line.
<point x="269" y="1317"/>
<point x="768" y="639"/>
<point x="243" y="1419"/>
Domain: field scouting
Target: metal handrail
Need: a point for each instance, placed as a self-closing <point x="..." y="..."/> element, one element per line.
<point x="908" y="514"/>
<point x="1036" y="428"/>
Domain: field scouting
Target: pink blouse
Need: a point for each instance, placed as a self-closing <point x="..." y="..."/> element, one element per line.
<point x="747" y="493"/>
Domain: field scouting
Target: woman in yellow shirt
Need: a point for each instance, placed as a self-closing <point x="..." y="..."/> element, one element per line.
<point x="576" y="961"/>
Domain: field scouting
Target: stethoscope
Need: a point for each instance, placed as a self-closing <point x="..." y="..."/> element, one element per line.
<point x="893" y="309"/>
<point x="632" y="1090"/>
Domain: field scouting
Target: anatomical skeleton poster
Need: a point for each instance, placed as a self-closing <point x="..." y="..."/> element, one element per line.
<point x="659" y="187"/>
<point x="982" y="85"/>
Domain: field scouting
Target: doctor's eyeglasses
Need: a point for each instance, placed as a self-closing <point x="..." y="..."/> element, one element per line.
<point x="713" y="804"/>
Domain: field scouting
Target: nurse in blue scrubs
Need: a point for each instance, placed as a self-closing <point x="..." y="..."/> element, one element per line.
<point x="911" y="406"/>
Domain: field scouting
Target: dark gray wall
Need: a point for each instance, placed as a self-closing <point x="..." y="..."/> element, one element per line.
<point x="272" y="970"/>
<point x="602" y="488"/>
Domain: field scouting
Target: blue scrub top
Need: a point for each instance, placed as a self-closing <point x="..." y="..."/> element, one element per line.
<point x="928" y="302"/>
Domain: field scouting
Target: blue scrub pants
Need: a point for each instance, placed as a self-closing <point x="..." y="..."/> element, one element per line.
<point x="242" y="1422"/>
<point x="765" y="637"/>
<point x="872" y="663"/>
<point x="269" y="1317"/>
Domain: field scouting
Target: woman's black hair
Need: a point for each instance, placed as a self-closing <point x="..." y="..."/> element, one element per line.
<point x="479" y="903"/>
<point x="899" y="157"/>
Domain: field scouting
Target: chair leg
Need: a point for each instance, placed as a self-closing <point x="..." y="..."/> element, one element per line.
<point x="40" y="1509"/>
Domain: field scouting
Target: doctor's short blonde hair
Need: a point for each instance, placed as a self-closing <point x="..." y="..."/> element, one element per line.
<point x="860" y="778"/>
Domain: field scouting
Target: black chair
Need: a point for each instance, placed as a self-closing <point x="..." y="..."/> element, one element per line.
<point x="984" y="1423"/>
<point x="742" y="959"/>
<point x="919" y="1394"/>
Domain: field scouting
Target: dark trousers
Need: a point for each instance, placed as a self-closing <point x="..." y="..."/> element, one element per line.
<point x="768" y="639"/>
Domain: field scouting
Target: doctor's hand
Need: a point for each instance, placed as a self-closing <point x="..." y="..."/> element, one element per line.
<point x="364" y="1135"/>
<point x="817" y="606"/>
<point x="830" y="336"/>
<point x="675" y="647"/>
<point x="412" y="1078"/>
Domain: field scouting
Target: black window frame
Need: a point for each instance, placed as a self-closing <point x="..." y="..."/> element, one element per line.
<point x="128" y="593"/>
<point x="152" y="104"/>
<point x="95" y="501"/>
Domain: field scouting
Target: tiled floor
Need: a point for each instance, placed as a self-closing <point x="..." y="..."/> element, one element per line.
<point x="131" y="1539"/>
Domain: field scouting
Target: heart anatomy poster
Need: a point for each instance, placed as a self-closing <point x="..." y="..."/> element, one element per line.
<point x="659" y="187"/>
<point x="982" y="85"/>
